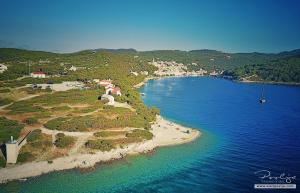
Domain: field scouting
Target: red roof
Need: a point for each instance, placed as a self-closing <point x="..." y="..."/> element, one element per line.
<point x="115" y="90"/>
<point x="108" y="81"/>
<point x="38" y="73"/>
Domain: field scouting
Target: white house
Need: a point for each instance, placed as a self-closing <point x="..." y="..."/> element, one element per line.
<point x="38" y="75"/>
<point x="111" y="99"/>
<point x="96" y="80"/>
<point x="117" y="91"/>
<point x="2" y="68"/>
<point x="73" y="68"/>
<point x="113" y="90"/>
<point x="134" y="73"/>
<point x="144" y="73"/>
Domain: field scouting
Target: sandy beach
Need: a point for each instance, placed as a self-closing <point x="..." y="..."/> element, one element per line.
<point x="166" y="133"/>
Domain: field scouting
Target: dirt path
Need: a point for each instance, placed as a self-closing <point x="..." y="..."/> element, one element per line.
<point x="4" y="106"/>
<point x="123" y="105"/>
<point x="80" y="142"/>
<point x="28" y="97"/>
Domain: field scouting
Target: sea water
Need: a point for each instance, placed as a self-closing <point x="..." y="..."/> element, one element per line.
<point x="239" y="137"/>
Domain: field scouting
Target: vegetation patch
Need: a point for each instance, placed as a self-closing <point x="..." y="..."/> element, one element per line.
<point x="24" y="107"/>
<point x="31" y="121"/>
<point x="4" y="90"/>
<point x="102" y="145"/>
<point x="138" y="133"/>
<point x="34" y="135"/>
<point x="9" y="128"/>
<point x="63" y="141"/>
<point x="61" y="108"/>
<point x="41" y="115"/>
<point x="2" y="161"/>
<point x="55" y="124"/>
<point x="87" y="109"/>
<point x="25" y="157"/>
<point x="5" y="101"/>
<point x="38" y="144"/>
<point x="109" y="133"/>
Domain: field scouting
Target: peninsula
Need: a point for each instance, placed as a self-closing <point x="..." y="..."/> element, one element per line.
<point x="72" y="111"/>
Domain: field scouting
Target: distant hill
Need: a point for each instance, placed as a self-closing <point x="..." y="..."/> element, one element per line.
<point x="124" y="51"/>
<point x="281" y="66"/>
<point x="286" y="69"/>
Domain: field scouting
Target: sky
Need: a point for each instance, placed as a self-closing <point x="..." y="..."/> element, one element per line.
<point x="226" y="25"/>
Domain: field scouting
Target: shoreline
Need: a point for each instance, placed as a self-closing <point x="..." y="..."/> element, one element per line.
<point x="165" y="133"/>
<point x="268" y="82"/>
<point x="137" y="86"/>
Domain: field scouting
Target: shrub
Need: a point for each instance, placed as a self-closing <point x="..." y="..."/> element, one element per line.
<point x="48" y="89"/>
<point x="9" y="128"/>
<point x="4" y="90"/>
<point x="108" y="133"/>
<point x="2" y="162"/>
<point x="138" y="133"/>
<point x="24" y="107"/>
<point x="31" y="121"/>
<point x="5" y="101"/>
<point x="25" y="157"/>
<point x="34" y="135"/>
<point x="63" y="141"/>
<point x="54" y="124"/>
<point x="102" y="145"/>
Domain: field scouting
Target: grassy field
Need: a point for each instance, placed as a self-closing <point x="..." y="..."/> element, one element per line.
<point x="63" y="141"/>
<point x="9" y="128"/>
<point x="38" y="147"/>
<point x="109" y="133"/>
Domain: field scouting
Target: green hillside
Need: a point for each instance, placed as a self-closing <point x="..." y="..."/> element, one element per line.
<point x="281" y="67"/>
<point x="281" y="70"/>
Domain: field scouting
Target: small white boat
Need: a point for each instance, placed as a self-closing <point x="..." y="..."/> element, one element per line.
<point x="22" y="179"/>
<point x="262" y="98"/>
<point x="143" y="94"/>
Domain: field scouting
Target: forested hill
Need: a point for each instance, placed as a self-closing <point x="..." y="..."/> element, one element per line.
<point x="212" y="59"/>
<point x="89" y="64"/>
<point x="280" y="67"/>
<point x="280" y="70"/>
<point x="283" y="67"/>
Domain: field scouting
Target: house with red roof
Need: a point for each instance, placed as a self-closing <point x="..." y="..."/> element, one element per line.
<point x="104" y="82"/>
<point x="113" y="90"/>
<point x="38" y="75"/>
<point x="117" y="91"/>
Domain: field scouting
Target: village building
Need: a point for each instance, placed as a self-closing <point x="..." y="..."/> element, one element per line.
<point x="104" y="82"/>
<point x="113" y="90"/>
<point x="116" y="91"/>
<point x="96" y="80"/>
<point x="2" y="68"/>
<point x="134" y="73"/>
<point x="144" y="73"/>
<point x="38" y="75"/>
<point x="73" y="68"/>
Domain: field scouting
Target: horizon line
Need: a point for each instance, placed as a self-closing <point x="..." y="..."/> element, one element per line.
<point x="136" y="50"/>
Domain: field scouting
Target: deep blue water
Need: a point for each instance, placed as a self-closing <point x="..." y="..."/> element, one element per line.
<point x="239" y="136"/>
<point x="251" y="136"/>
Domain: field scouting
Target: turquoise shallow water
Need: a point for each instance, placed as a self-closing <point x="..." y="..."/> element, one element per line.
<point x="239" y="137"/>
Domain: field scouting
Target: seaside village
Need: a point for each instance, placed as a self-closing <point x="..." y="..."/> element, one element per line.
<point x="172" y="68"/>
<point x="13" y="146"/>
